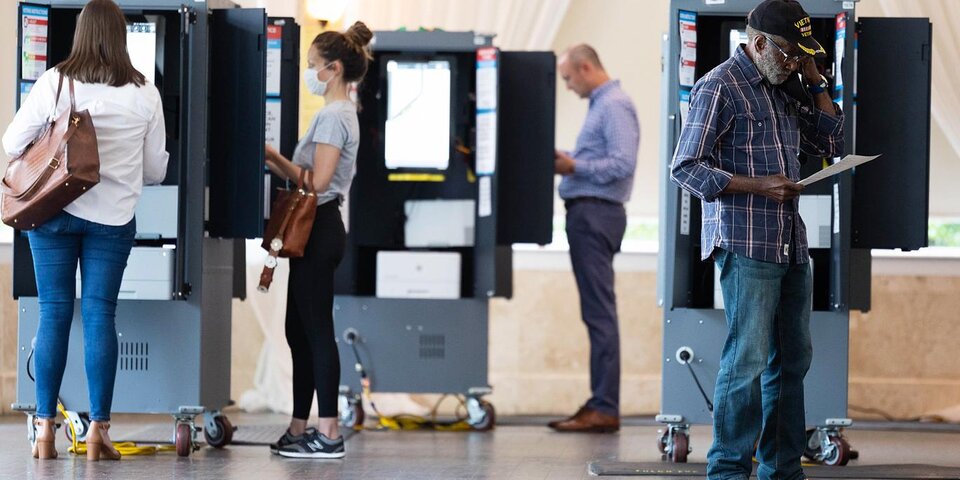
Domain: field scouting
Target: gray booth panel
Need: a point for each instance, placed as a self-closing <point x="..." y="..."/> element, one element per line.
<point x="414" y="345"/>
<point x="160" y="352"/>
<point x="704" y="332"/>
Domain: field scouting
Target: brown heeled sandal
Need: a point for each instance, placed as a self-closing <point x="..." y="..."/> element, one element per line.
<point x="44" y="446"/>
<point x="97" y="447"/>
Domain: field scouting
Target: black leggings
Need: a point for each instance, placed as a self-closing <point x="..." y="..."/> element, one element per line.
<point x="309" y="323"/>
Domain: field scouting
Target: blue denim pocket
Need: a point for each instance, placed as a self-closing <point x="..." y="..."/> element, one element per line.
<point x="127" y="230"/>
<point x="59" y="223"/>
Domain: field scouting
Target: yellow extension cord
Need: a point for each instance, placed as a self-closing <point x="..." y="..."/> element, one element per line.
<point x="410" y="422"/>
<point x="125" y="448"/>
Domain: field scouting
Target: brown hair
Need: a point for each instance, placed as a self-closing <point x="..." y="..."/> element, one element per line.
<point x="349" y="47"/>
<point x="99" y="53"/>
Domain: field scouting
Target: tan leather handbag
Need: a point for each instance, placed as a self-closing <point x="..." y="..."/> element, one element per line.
<point x="59" y="166"/>
<point x="290" y="224"/>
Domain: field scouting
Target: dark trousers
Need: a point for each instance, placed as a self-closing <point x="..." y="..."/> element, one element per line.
<point x="595" y="231"/>
<point x="309" y="322"/>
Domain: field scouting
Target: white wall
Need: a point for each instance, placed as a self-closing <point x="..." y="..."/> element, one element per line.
<point x="8" y="59"/>
<point x="626" y="34"/>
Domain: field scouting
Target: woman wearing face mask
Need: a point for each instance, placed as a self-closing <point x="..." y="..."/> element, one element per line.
<point x="329" y="150"/>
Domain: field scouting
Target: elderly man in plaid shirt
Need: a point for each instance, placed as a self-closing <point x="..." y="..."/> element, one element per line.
<point x="739" y="153"/>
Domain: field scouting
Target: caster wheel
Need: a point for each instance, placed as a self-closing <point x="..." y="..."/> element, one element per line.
<point x="184" y="440"/>
<point x="681" y="447"/>
<point x="353" y="417"/>
<point x="81" y="423"/>
<point x="662" y="441"/>
<point x="224" y="435"/>
<point x="839" y="454"/>
<point x="487" y="421"/>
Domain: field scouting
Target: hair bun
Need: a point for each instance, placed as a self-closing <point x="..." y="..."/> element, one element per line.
<point x="359" y="34"/>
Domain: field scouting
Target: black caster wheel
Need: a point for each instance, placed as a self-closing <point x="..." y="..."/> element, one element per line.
<point x="839" y="455"/>
<point x="224" y="435"/>
<point x="489" y="418"/>
<point x="681" y="447"/>
<point x="184" y="439"/>
<point x="81" y="424"/>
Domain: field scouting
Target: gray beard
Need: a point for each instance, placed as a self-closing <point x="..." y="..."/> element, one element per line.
<point x="771" y="69"/>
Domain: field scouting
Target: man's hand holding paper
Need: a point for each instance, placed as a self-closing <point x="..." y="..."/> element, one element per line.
<point x="845" y="164"/>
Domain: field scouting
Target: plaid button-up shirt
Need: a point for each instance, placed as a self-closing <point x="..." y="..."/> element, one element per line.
<point x="739" y="124"/>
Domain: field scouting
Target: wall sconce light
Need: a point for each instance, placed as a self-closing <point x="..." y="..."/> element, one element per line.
<point x="326" y="11"/>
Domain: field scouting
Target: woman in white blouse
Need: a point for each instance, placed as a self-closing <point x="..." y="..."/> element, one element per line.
<point x="97" y="230"/>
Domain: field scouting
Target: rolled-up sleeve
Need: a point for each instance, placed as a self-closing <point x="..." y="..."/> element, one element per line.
<point x="694" y="167"/>
<point x="155" y="156"/>
<point x="821" y="134"/>
<point x="621" y="131"/>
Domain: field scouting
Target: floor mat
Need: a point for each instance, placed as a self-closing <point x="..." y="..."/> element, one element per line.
<point x="862" y="472"/>
<point x="244" y="435"/>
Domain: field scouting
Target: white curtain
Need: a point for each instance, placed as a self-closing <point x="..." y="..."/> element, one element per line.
<point x="945" y="95"/>
<point x="519" y="25"/>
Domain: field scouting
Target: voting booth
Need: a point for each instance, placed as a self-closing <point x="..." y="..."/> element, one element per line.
<point x="879" y="73"/>
<point x="220" y="70"/>
<point x="455" y="165"/>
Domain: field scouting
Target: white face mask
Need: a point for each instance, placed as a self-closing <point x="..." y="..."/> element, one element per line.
<point x="311" y="77"/>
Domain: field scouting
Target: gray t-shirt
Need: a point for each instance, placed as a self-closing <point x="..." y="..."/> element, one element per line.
<point x="335" y="124"/>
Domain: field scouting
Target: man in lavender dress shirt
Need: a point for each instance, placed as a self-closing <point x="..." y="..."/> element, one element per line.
<point x="597" y="180"/>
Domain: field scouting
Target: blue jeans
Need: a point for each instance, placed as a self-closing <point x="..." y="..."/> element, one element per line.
<point x="759" y="392"/>
<point x="102" y="251"/>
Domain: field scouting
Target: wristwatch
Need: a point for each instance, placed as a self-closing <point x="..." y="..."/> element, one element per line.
<point x="819" y="87"/>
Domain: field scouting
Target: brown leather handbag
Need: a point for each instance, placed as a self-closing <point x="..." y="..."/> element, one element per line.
<point x="56" y="168"/>
<point x="290" y="224"/>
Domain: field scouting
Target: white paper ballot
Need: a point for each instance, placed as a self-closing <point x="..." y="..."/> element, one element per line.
<point x="847" y="163"/>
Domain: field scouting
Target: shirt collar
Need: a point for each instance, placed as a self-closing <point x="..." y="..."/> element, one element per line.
<point x="603" y="88"/>
<point x="750" y="71"/>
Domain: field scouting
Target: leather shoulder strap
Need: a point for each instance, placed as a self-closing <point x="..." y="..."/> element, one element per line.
<point x="73" y="101"/>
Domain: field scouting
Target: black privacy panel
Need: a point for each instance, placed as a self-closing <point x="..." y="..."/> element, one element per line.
<point x="526" y="145"/>
<point x="237" y="122"/>
<point x="890" y="198"/>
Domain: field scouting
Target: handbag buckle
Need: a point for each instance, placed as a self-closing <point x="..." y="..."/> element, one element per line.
<point x="75" y="121"/>
<point x="54" y="163"/>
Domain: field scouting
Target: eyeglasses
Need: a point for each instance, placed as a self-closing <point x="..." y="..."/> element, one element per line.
<point x="795" y="59"/>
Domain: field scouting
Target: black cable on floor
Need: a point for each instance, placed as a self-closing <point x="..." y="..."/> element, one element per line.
<point x="705" y="397"/>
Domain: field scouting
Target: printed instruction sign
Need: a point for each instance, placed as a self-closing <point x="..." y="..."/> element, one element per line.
<point x="25" y="88"/>
<point x="274" y="109"/>
<point x="485" y="199"/>
<point x="33" y="36"/>
<point x="274" y="49"/>
<point x="486" y="154"/>
<point x="688" y="48"/>
<point x="687" y="66"/>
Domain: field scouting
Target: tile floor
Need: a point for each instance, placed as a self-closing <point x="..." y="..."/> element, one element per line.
<point x="520" y="448"/>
